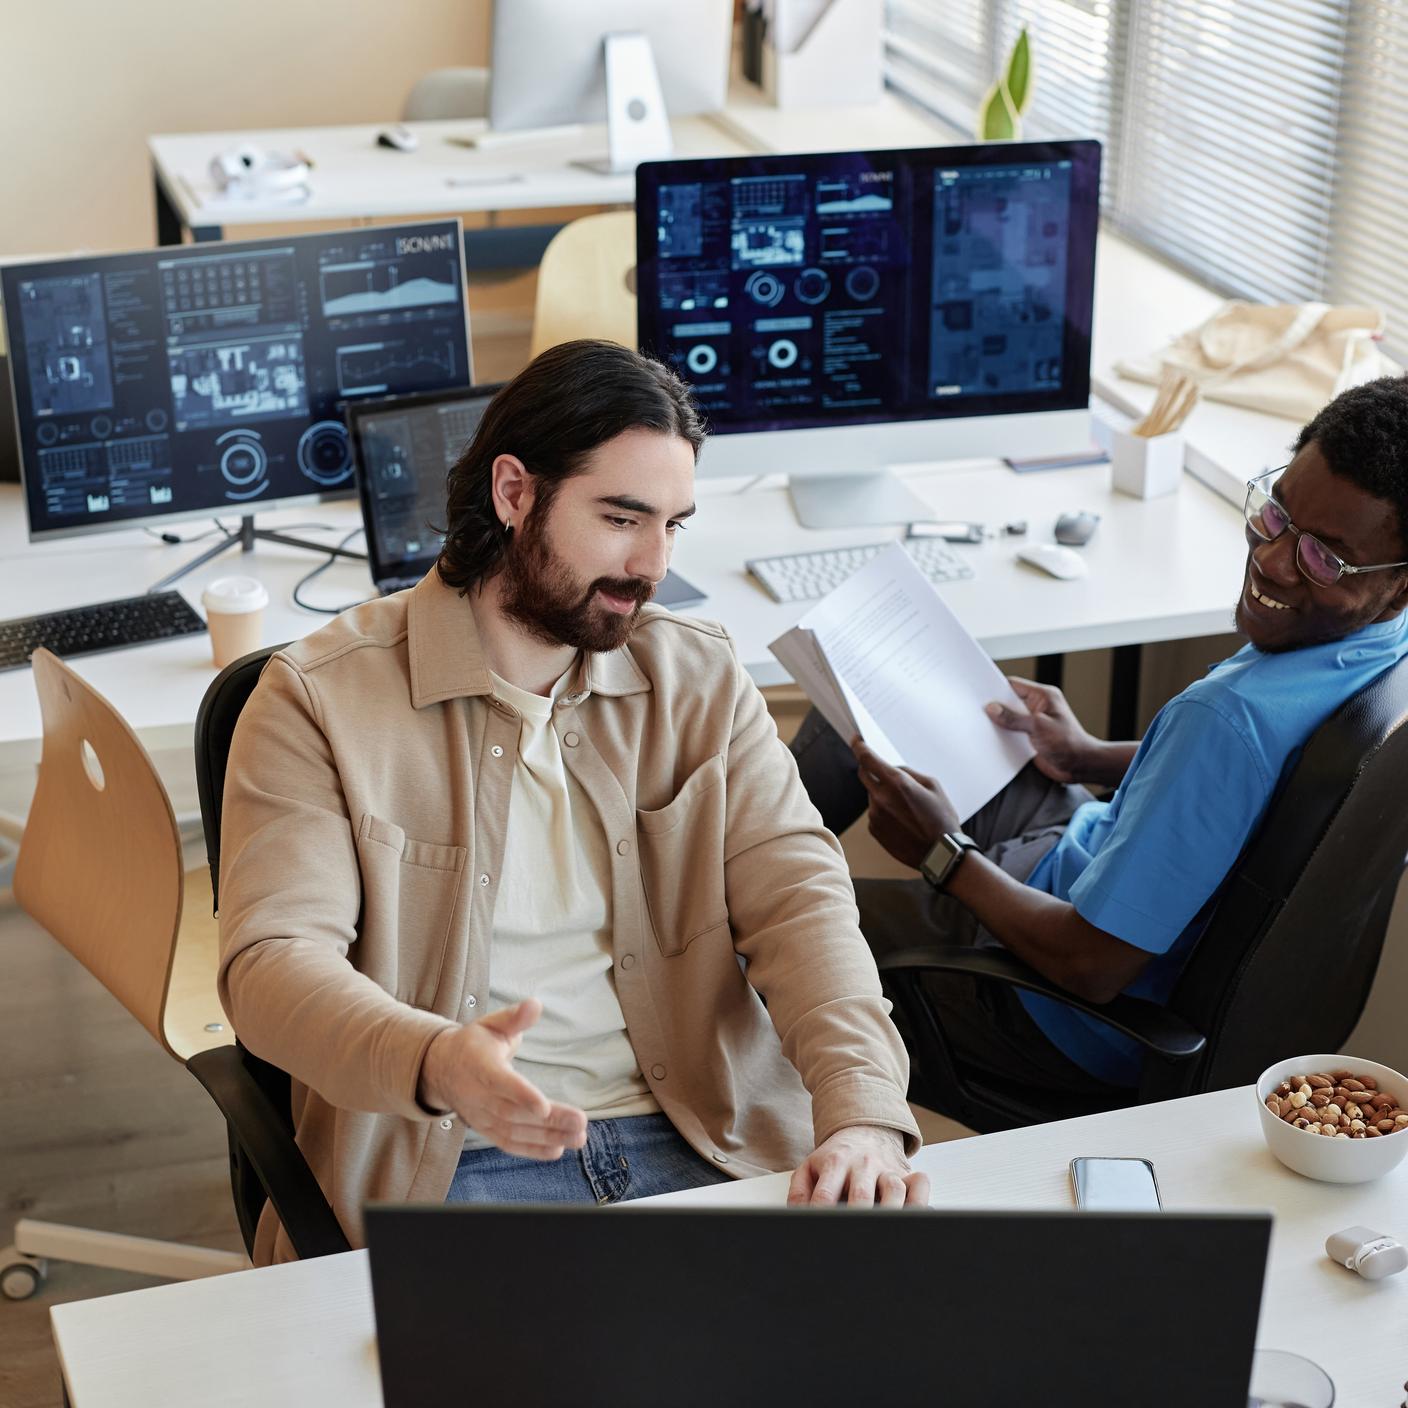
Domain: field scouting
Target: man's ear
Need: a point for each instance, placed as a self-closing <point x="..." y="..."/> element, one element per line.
<point x="512" y="489"/>
<point x="1399" y="600"/>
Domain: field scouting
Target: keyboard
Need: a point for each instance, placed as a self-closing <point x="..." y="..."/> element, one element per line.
<point x="107" y="625"/>
<point x="805" y="576"/>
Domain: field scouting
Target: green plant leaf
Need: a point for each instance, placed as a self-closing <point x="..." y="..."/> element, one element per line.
<point x="1019" y="73"/>
<point x="997" y="118"/>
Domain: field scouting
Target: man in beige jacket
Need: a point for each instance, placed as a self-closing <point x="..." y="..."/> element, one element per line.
<point x="518" y="882"/>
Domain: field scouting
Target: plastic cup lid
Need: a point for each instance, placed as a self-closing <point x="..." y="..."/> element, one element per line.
<point x="235" y="595"/>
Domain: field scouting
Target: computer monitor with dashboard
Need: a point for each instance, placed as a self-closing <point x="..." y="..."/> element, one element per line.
<point x="209" y="379"/>
<point x="844" y="312"/>
<point x="629" y="63"/>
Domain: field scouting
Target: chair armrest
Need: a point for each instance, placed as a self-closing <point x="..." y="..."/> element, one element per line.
<point x="1153" y="1027"/>
<point x="261" y="1142"/>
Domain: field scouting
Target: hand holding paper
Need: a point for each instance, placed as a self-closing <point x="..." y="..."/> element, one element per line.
<point x="884" y="657"/>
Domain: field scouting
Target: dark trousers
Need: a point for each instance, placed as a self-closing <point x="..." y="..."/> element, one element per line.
<point x="987" y="1027"/>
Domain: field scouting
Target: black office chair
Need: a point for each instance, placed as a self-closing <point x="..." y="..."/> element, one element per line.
<point x="1286" y="961"/>
<point x="254" y="1097"/>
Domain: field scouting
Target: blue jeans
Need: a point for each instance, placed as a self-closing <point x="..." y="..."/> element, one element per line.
<point x="635" y="1157"/>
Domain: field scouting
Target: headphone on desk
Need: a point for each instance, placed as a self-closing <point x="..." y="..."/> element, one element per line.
<point x="249" y="171"/>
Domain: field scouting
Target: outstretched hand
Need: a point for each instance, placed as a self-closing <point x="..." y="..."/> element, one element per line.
<point x="469" y="1070"/>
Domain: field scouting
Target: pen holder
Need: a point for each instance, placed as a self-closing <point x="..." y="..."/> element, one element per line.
<point x="1145" y="466"/>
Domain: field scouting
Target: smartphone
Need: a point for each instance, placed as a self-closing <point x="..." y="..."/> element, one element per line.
<point x="1115" y="1185"/>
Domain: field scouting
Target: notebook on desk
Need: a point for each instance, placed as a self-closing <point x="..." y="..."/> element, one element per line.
<point x="403" y="448"/>
<point x="653" y="1305"/>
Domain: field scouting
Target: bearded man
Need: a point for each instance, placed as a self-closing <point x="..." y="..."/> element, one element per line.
<point x="518" y="882"/>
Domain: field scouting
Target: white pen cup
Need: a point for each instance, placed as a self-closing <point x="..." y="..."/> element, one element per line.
<point x="1145" y="466"/>
<point x="234" y="611"/>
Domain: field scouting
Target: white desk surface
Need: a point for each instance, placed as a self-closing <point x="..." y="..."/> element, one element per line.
<point x="1159" y="570"/>
<point x="302" y="1334"/>
<point x="353" y="177"/>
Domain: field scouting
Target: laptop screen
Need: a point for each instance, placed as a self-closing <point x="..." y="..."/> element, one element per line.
<point x="657" y="1305"/>
<point x="403" y="449"/>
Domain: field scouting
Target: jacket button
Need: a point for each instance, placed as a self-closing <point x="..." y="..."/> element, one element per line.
<point x="721" y="1158"/>
<point x="658" y="1071"/>
<point x="570" y="739"/>
<point x="497" y="751"/>
<point x="483" y="879"/>
<point x="622" y="847"/>
<point x="471" y="1001"/>
<point x="447" y="1124"/>
<point x="628" y="960"/>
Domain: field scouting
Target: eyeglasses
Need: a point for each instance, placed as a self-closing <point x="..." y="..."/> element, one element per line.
<point x="1268" y="519"/>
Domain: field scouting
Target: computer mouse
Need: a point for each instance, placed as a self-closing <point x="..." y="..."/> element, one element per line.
<point x="1053" y="558"/>
<point x="1076" y="529"/>
<point x="399" y="138"/>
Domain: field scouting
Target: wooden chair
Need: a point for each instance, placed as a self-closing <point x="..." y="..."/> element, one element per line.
<point x="100" y="867"/>
<point x="586" y="283"/>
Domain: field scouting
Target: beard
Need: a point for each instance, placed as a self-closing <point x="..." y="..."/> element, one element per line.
<point x="542" y="594"/>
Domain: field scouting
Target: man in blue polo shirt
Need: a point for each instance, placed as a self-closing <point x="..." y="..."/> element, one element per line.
<point x="1105" y="897"/>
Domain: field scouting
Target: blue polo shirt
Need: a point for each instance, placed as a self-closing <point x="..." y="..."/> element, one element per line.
<point x="1146" y="865"/>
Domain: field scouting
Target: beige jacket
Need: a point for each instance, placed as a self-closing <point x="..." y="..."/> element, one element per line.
<point x="364" y="820"/>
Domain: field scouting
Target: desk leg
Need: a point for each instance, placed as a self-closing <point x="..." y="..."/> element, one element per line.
<point x="169" y="229"/>
<point x="1125" y="661"/>
<point x="168" y="222"/>
<point x="1050" y="669"/>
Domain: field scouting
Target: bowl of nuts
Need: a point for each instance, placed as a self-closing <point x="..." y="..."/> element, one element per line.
<point x="1337" y="1118"/>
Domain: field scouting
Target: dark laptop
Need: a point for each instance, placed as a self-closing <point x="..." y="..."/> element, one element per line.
<point x="403" y="448"/>
<point x="623" y="1306"/>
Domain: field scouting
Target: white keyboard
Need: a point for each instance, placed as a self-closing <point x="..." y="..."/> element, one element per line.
<point x="805" y="576"/>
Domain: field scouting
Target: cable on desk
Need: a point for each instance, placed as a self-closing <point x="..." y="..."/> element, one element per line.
<point x="317" y="571"/>
<point x="176" y="538"/>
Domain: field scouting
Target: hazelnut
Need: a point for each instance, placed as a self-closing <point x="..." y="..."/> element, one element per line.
<point x="1357" y="1126"/>
<point x="1297" y="1100"/>
<point x="1332" y="1111"/>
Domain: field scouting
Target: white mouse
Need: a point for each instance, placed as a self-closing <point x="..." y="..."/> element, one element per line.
<point x="400" y="138"/>
<point x="1053" y="558"/>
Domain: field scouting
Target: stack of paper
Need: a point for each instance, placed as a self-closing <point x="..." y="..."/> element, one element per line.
<point x="885" y="658"/>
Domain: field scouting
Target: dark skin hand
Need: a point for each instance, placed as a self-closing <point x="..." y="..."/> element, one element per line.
<point x="908" y="814"/>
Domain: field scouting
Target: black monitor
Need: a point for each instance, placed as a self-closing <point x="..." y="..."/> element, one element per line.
<point x="209" y="378"/>
<point x="874" y="307"/>
<point x="403" y="449"/>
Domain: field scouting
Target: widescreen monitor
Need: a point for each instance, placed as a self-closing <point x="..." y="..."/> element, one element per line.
<point x="842" y="312"/>
<point x="209" y="379"/>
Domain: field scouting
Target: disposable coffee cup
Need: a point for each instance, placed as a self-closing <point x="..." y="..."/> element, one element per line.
<point x="234" y="611"/>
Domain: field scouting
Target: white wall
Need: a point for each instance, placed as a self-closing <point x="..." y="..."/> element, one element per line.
<point x="84" y="82"/>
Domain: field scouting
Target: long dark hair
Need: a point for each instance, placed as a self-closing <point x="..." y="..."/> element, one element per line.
<point x="552" y="415"/>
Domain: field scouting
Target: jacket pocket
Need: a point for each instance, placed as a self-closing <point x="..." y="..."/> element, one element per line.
<point x="409" y="890"/>
<point x="682" y="860"/>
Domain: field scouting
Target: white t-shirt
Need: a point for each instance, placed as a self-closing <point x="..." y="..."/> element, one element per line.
<point x="552" y="930"/>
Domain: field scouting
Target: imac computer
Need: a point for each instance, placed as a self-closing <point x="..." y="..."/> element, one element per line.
<point x="630" y="63"/>
<point x="209" y="379"/>
<point x="841" y="313"/>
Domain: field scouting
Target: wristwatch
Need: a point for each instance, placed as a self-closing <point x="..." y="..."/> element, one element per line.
<point x="938" y="866"/>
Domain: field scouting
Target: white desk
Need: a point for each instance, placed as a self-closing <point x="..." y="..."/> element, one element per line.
<point x="302" y="1334"/>
<point x="1165" y="569"/>
<point x="354" y="178"/>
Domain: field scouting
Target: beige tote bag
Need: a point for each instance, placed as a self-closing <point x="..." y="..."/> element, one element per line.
<point x="1287" y="359"/>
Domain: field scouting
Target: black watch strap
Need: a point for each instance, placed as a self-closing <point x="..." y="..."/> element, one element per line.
<point x="945" y="856"/>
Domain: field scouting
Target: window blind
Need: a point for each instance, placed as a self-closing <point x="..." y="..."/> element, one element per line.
<point x="1257" y="143"/>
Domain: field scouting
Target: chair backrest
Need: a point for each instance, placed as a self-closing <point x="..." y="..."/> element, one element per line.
<point x="586" y="283"/>
<point x="1287" y="960"/>
<point x="216" y="718"/>
<point x="100" y="864"/>
<point x="447" y="93"/>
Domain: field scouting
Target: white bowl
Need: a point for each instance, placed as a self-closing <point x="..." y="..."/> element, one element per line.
<point x="1332" y="1160"/>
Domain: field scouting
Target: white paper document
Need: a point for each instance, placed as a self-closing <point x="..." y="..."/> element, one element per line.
<point x="883" y="656"/>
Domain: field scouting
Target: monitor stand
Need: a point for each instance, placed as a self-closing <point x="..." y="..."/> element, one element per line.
<point x="244" y="539"/>
<point x="855" y="501"/>
<point x="637" y="127"/>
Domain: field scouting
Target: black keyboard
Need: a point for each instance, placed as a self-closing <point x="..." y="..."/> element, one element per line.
<point x="107" y="625"/>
